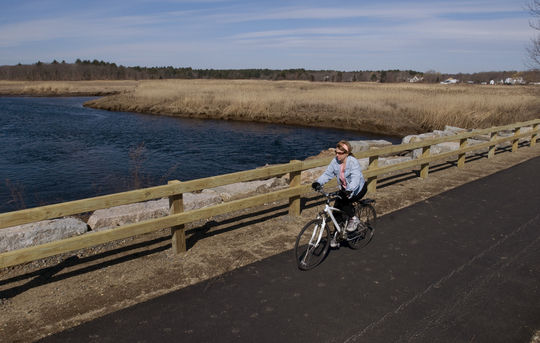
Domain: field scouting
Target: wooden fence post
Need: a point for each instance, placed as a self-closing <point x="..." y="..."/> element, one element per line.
<point x="491" y="152"/>
<point x="176" y="205"/>
<point x="461" y="158"/>
<point x="295" y="179"/>
<point x="372" y="181"/>
<point x="515" y="141"/>
<point x="424" y="168"/>
<point x="534" y="136"/>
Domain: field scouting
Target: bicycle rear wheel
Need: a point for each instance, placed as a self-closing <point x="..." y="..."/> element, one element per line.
<point x="363" y="235"/>
<point x="312" y="245"/>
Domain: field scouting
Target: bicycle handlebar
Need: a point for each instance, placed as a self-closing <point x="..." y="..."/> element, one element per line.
<point x="329" y="195"/>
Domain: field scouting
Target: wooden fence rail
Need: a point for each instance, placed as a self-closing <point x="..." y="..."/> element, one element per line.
<point x="175" y="189"/>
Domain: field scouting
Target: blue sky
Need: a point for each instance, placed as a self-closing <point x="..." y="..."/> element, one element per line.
<point x="446" y="36"/>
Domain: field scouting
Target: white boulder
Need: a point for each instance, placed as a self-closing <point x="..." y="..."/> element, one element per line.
<point x="448" y="131"/>
<point x="359" y="146"/>
<point x="454" y="129"/>
<point x="312" y="174"/>
<point x="438" y="149"/>
<point x="22" y="236"/>
<point x="109" y="218"/>
<point x="205" y="198"/>
<point x="388" y="161"/>
<point x="125" y="214"/>
<point x="229" y="192"/>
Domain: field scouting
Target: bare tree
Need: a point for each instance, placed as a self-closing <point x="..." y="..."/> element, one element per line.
<point x="534" y="48"/>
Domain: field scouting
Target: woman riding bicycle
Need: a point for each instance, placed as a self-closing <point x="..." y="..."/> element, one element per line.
<point x="346" y="168"/>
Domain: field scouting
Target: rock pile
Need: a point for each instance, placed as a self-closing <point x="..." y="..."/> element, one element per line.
<point x="126" y="214"/>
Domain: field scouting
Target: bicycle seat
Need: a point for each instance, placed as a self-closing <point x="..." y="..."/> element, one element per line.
<point x="366" y="201"/>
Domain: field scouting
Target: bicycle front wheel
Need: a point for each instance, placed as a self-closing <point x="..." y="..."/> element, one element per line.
<point x="363" y="235"/>
<point x="312" y="245"/>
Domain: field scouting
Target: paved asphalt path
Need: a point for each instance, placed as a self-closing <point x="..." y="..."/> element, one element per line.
<point x="463" y="266"/>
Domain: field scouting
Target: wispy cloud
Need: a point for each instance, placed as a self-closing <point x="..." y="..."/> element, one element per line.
<point x="503" y="30"/>
<point x="240" y="33"/>
<point x="409" y="10"/>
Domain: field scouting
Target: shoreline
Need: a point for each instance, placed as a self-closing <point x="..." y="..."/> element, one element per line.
<point x="372" y="128"/>
<point x="395" y="110"/>
<point x="58" y="95"/>
<point x="369" y="129"/>
<point x="63" y="88"/>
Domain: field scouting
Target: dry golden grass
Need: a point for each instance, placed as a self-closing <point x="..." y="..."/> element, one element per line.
<point x="396" y="109"/>
<point x="383" y="108"/>
<point x="64" y="88"/>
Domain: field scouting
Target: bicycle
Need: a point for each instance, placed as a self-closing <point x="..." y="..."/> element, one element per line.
<point x="313" y="241"/>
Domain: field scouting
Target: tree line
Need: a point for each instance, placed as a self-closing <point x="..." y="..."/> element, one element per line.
<point x="100" y="70"/>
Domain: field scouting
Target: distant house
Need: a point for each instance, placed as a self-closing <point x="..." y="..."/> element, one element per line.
<point x="514" y="81"/>
<point x="449" y="81"/>
<point x="416" y="78"/>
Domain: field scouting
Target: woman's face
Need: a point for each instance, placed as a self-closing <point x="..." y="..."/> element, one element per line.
<point x="341" y="155"/>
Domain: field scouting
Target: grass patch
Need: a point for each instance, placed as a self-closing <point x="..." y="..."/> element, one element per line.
<point x="372" y="107"/>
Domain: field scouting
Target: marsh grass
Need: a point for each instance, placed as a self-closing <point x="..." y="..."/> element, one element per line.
<point x="64" y="88"/>
<point x="380" y="108"/>
<point x="384" y="108"/>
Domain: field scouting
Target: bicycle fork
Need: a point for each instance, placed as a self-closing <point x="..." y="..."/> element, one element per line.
<point x="320" y="230"/>
<point x="314" y="241"/>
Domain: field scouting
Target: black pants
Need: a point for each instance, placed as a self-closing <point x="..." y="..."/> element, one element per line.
<point x="346" y="205"/>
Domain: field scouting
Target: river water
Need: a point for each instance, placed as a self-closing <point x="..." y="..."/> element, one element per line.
<point x="54" y="149"/>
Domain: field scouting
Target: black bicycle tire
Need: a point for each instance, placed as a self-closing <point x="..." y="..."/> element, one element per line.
<point x="322" y="251"/>
<point x="363" y="211"/>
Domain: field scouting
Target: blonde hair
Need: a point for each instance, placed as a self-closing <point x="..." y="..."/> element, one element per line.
<point x="345" y="146"/>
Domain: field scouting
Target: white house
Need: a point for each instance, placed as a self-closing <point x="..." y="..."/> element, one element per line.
<point x="516" y="81"/>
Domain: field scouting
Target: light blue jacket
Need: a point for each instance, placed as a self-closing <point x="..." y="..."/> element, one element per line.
<point x="353" y="174"/>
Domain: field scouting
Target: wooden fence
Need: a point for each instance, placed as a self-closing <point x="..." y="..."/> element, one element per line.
<point x="174" y="190"/>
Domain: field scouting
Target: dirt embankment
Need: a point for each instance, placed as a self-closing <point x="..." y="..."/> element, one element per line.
<point x="41" y="298"/>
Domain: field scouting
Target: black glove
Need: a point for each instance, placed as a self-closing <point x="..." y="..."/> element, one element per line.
<point x="316" y="186"/>
<point x="343" y="194"/>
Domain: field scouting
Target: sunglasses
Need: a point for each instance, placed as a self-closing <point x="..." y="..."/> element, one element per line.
<point x="340" y="152"/>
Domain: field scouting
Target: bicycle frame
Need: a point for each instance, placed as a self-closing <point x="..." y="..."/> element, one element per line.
<point x="329" y="210"/>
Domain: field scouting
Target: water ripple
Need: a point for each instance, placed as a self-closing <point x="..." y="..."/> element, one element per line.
<point x="54" y="149"/>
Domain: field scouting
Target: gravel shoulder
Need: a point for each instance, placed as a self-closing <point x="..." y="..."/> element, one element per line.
<point x="44" y="297"/>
